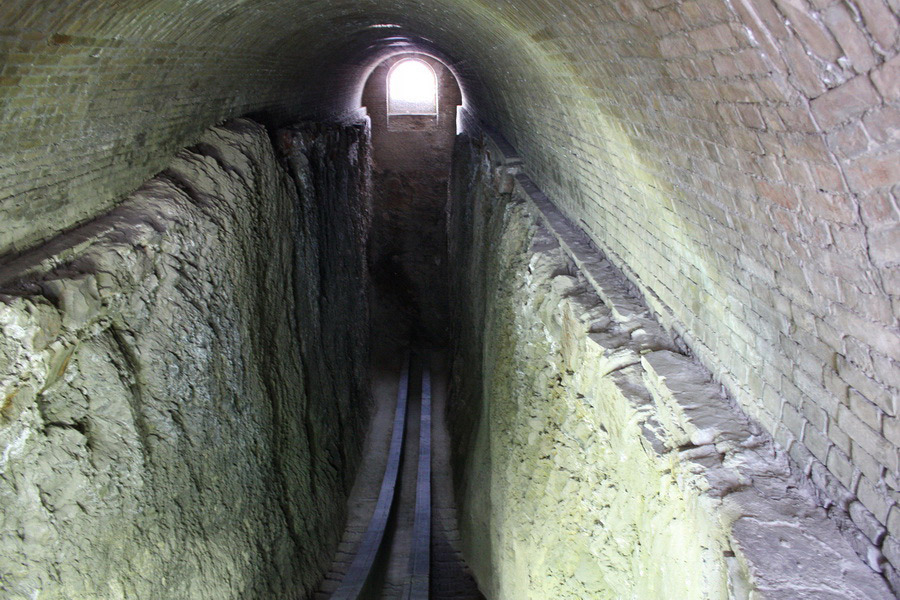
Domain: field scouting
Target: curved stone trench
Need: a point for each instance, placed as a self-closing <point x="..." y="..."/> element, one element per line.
<point x="408" y="254"/>
<point x="179" y="431"/>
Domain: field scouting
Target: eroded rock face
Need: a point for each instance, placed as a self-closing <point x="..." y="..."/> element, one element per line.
<point x="593" y="458"/>
<point x="182" y="381"/>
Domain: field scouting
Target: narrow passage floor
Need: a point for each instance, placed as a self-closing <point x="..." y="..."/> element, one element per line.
<point x="450" y="578"/>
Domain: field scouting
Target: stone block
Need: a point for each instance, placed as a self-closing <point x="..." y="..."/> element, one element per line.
<point x="844" y="102"/>
<point x="813" y="34"/>
<point x="887" y="79"/>
<point x="866" y="411"/>
<point x="717" y="37"/>
<point x="850" y="140"/>
<point x="851" y="39"/>
<point x="879" y="21"/>
<point x="838" y="436"/>
<point x="883" y="244"/>
<point x="875" y="500"/>
<point x="893" y="522"/>
<point x="840" y="466"/>
<point x="891" y="549"/>
<point x="867" y="464"/>
<point x="869" y="172"/>
<point x="871" y="441"/>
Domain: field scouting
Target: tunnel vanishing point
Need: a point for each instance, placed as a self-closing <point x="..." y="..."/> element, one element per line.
<point x="606" y="307"/>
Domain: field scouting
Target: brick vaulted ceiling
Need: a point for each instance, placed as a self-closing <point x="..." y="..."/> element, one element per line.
<point x="735" y="157"/>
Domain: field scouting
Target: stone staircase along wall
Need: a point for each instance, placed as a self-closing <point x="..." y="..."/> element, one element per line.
<point x="594" y="458"/>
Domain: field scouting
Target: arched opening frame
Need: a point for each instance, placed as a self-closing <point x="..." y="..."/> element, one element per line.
<point x="375" y="102"/>
<point x="412" y="88"/>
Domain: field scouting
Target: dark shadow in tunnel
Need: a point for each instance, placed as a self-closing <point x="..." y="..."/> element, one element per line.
<point x="408" y="248"/>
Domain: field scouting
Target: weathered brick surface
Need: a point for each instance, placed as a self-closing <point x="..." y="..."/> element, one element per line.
<point x="737" y="159"/>
<point x="522" y="307"/>
<point x="755" y="205"/>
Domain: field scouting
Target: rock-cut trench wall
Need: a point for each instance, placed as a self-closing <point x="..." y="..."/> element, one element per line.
<point x="593" y="458"/>
<point x="183" y="381"/>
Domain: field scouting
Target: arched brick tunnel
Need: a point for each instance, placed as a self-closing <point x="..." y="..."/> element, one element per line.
<point x="730" y="166"/>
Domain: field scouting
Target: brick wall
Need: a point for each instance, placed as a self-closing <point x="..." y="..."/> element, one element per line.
<point x="737" y="161"/>
<point x="736" y="158"/>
